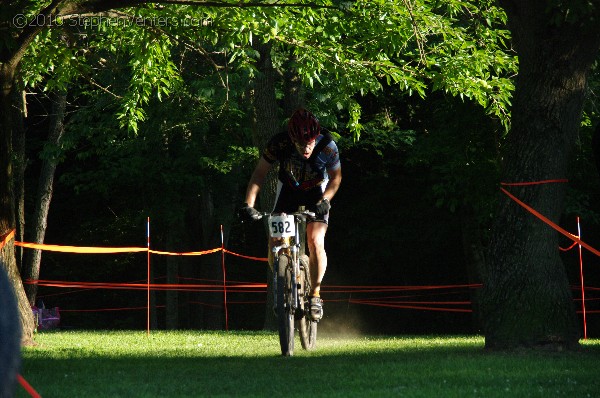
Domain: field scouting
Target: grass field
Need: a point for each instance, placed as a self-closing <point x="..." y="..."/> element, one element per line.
<point x="248" y="364"/>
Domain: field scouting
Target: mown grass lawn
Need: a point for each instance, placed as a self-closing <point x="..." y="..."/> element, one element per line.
<point x="248" y="364"/>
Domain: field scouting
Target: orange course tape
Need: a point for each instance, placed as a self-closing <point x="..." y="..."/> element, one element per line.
<point x="105" y="250"/>
<point x="186" y="253"/>
<point x="81" y="249"/>
<point x="247" y="257"/>
<point x="566" y="249"/>
<point x="246" y="287"/>
<point x="550" y="223"/>
<point x="32" y="392"/>
<point x="4" y="239"/>
<point x="521" y="184"/>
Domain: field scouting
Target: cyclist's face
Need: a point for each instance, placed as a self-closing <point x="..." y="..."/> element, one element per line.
<point x="305" y="148"/>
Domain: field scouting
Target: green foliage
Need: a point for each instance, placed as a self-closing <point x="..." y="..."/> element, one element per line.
<point x="235" y="156"/>
<point x="53" y="61"/>
<point x="460" y="150"/>
<point x="455" y="46"/>
<point x="152" y="73"/>
<point x="384" y="140"/>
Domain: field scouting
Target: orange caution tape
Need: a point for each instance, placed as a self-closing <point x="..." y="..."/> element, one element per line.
<point x="185" y="253"/>
<point x="32" y="392"/>
<point x="247" y="287"/>
<point x="566" y="249"/>
<point x="390" y="288"/>
<point x="247" y="257"/>
<point x="550" y="223"/>
<point x="81" y="249"/>
<point x="410" y="307"/>
<point x="520" y="184"/>
<point x="4" y="239"/>
<point x="105" y="250"/>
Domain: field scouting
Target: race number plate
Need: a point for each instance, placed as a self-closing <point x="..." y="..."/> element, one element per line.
<point x="281" y="226"/>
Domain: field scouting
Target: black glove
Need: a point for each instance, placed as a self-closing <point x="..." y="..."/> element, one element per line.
<point x="249" y="213"/>
<point x="323" y="206"/>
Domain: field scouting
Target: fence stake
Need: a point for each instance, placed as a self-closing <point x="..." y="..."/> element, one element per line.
<point x="224" y="279"/>
<point x="148" y="284"/>
<point x="582" y="284"/>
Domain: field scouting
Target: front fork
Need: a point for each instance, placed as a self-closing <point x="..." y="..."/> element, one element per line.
<point x="295" y="268"/>
<point x="275" y="273"/>
<point x="294" y="276"/>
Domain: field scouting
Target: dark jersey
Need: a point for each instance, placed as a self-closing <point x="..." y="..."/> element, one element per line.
<point x="297" y="172"/>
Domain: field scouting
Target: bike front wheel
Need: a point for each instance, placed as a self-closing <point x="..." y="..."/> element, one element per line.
<point x="308" y="327"/>
<point x="285" y="316"/>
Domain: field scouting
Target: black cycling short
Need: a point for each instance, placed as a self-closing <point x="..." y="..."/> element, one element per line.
<point x="289" y="199"/>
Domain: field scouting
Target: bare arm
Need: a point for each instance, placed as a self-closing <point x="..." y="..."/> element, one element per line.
<point x="256" y="181"/>
<point x="335" y="179"/>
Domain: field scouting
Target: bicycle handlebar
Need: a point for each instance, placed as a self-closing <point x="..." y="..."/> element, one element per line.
<point x="302" y="214"/>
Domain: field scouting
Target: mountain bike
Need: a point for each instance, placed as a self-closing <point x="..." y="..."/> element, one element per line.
<point x="291" y="280"/>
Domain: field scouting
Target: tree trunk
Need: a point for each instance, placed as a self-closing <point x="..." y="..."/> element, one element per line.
<point x="213" y="313"/>
<point x="10" y="350"/>
<point x="7" y="204"/>
<point x="526" y="299"/>
<point x="474" y="250"/>
<point x="19" y="112"/>
<point x="293" y="91"/>
<point x="173" y="264"/>
<point x="31" y="271"/>
<point x="266" y="125"/>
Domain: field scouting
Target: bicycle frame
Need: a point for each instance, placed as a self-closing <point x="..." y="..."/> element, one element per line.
<point x="292" y="251"/>
<point x="291" y="279"/>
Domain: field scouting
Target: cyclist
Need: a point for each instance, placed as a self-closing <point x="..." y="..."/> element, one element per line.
<point x="309" y="175"/>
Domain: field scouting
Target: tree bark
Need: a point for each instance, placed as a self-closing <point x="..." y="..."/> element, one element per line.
<point x="213" y="314"/>
<point x="293" y="90"/>
<point x="266" y="125"/>
<point x="7" y="204"/>
<point x="31" y="271"/>
<point x="20" y="166"/>
<point x="10" y="350"/>
<point x="526" y="299"/>
<point x="474" y="250"/>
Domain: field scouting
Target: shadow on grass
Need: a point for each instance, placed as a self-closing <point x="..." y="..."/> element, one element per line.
<point x="377" y="367"/>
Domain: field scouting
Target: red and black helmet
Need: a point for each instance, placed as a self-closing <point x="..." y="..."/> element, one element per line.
<point x="303" y="126"/>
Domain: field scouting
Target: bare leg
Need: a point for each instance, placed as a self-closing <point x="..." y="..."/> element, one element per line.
<point x="315" y="233"/>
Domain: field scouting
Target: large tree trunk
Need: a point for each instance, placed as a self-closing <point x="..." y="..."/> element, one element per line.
<point x="10" y="58"/>
<point x="526" y="299"/>
<point x="19" y="113"/>
<point x="474" y="250"/>
<point x="7" y="204"/>
<point x="31" y="270"/>
<point x="266" y="125"/>
<point x="10" y="350"/>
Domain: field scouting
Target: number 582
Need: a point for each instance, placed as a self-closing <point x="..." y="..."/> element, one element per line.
<point x="281" y="227"/>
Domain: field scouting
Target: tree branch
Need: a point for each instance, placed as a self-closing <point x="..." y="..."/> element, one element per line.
<point x="28" y="34"/>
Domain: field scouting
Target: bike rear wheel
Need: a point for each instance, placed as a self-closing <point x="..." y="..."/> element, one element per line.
<point x="308" y="327"/>
<point x="285" y="317"/>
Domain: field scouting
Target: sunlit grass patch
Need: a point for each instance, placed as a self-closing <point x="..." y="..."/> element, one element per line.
<point x="200" y="363"/>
